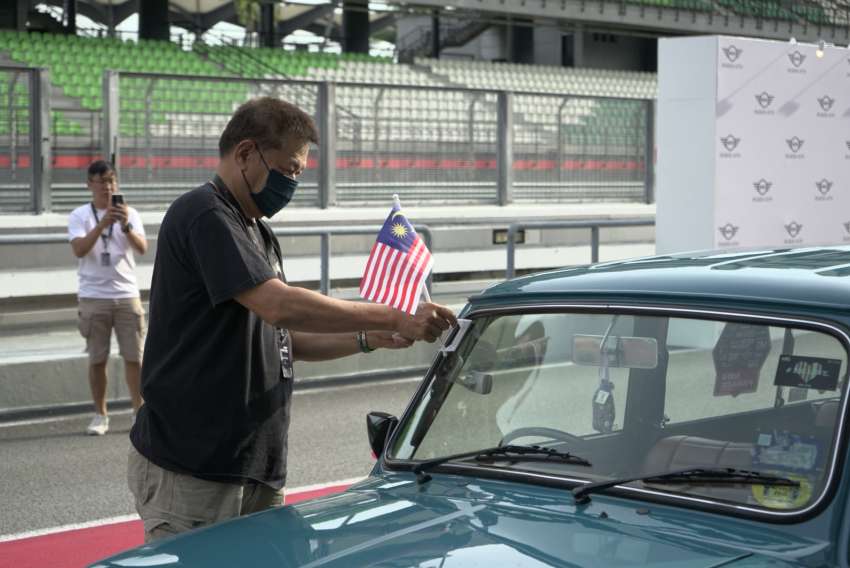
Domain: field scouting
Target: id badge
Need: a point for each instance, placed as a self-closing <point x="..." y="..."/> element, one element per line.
<point x="105" y="259"/>
<point x="285" y="355"/>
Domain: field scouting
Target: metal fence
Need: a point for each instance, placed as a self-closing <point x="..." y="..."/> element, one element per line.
<point x="168" y="129"/>
<point x="568" y="148"/>
<point x="431" y="145"/>
<point x="16" y="139"/>
<point x="593" y="224"/>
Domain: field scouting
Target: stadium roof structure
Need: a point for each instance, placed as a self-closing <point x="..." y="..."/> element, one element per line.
<point x="201" y="15"/>
<point x="805" y="20"/>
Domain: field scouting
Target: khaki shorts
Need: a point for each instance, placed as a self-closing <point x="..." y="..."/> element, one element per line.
<point x="97" y="318"/>
<point x="170" y="503"/>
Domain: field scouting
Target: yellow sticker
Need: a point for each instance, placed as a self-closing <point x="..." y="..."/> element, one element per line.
<point x="783" y="496"/>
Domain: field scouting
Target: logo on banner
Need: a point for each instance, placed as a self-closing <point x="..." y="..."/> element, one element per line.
<point x="728" y="232"/>
<point x="823" y="186"/>
<point x="764" y="99"/>
<point x="796" y="58"/>
<point x="793" y="229"/>
<point x="795" y="144"/>
<point x="826" y="103"/>
<point x="730" y="142"/>
<point x="732" y="54"/>
<point x="846" y="226"/>
<point x="762" y="186"/>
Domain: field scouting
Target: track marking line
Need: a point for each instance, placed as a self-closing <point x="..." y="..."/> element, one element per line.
<point x="295" y="491"/>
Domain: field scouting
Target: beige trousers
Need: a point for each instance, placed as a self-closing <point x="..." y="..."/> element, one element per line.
<point x="170" y="503"/>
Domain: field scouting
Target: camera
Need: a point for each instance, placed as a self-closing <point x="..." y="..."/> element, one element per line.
<point x="117" y="199"/>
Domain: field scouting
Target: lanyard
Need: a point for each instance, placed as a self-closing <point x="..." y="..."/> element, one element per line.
<point x="102" y="236"/>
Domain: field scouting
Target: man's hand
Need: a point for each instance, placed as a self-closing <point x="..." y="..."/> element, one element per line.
<point x="429" y="323"/>
<point x="386" y="340"/>
<point x="107" y="220"/>
<point x="118" y="213"/>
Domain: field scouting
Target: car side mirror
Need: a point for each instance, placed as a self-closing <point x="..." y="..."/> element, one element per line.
<point x="379" y="426"/>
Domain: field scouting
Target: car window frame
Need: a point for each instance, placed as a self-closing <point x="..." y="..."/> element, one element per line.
<point x="833" y="327"/>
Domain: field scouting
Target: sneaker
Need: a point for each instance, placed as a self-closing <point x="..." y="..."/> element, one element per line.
<point x="99" y="425"/>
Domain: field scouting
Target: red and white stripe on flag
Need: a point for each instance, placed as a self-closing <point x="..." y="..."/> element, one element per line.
<point x="395" y="277"/>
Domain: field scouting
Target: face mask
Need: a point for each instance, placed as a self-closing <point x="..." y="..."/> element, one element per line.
<point x="276" y="193"/>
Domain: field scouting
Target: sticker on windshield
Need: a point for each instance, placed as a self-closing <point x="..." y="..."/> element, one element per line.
<point x="808" y="372"/>
<point x="786" y="451"/>
<point x="738" y="358"/>
<point x="784" y="496"/>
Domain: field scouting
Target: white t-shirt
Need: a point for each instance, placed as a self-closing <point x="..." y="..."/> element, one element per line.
<point x="118" y="280"/>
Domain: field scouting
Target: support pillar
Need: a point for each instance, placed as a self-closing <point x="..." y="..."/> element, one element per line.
<point x="153" y="20"/>
<point x="355" y="26"/>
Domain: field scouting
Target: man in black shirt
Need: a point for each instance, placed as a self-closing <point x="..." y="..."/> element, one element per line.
<point x="210" y="441"/>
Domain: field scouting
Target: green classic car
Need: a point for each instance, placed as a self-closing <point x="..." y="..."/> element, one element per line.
<point x="682" y="411"/>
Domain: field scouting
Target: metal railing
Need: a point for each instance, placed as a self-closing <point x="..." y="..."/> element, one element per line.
<point x="325" y="245"/>
<point x="593" y="224"/>
<point x="323" y="234"/>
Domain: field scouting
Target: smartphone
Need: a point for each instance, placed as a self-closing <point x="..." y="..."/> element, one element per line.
<point x="117" y="199"/>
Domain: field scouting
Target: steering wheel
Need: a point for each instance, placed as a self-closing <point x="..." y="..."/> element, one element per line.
<point x="542" y="432"/>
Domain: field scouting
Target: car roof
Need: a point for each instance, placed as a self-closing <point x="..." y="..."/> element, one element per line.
<point x="811" y="276"/>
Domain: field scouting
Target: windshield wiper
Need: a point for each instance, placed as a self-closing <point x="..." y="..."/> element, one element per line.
<point x="509" y="452"/>
<point x="695" y="475"/>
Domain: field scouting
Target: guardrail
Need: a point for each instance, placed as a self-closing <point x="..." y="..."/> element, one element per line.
<point x="593" y="224"/>
<point x="323" y="234"/>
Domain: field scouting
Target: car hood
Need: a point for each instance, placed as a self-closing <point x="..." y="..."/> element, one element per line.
<point x="452" y="521"/>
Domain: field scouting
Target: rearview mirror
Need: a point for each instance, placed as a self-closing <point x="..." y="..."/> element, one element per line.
<point x="627" y="352"/>
<point x="477" y="382"/>
<point x="379" y="425"/>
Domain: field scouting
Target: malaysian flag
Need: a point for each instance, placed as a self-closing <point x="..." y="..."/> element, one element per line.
<point x="398" y="265"/>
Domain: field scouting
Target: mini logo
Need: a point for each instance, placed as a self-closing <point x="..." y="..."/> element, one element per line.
<point x="796" y="58"/>
<point x="795" y="144"/>
<point x="762" y="186"/>
<point x="824" y="186"/>
<point x="764" y="99"/>
<point x="728" y="231"/>
<point x="826" y="102"/>
<point x="732" y="53"/>
<point x="793" y="229"/>
<point x="730" y="142"/>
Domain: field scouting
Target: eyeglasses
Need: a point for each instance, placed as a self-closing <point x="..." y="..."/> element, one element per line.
<point x="103" y="181"/>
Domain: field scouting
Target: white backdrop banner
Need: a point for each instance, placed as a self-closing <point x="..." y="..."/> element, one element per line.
<point x="782" y="143"/>
<point x="783" y="129"/>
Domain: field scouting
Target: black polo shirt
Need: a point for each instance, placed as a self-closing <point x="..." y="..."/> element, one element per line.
<point x="216" y="400"/>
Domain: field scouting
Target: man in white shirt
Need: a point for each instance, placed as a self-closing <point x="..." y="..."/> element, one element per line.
<point x="104" y="235"/>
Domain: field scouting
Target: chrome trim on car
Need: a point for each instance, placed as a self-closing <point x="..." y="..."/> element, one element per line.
<point x="830" y="328"/>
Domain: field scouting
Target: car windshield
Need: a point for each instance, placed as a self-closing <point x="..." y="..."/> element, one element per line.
<point x="641" y="395"/>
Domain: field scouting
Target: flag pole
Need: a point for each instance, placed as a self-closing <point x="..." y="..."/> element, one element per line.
<point x="425" y="294"/>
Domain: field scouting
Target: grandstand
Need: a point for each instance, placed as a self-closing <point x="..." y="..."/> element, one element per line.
<point x="439" y="124"/>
